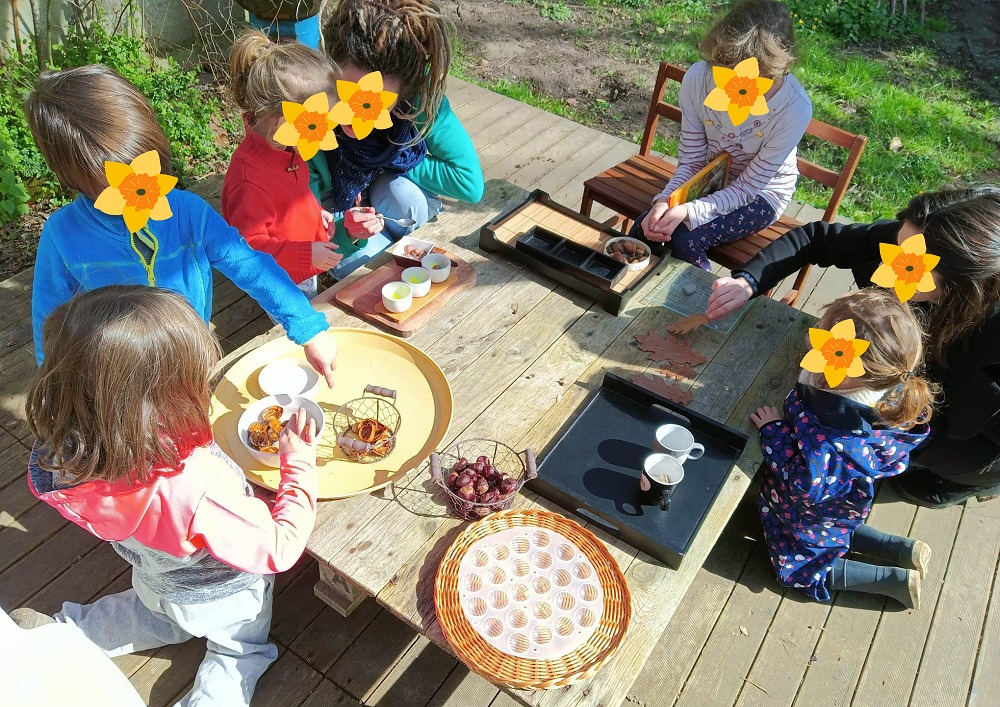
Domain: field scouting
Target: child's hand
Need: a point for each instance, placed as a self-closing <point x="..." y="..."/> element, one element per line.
<point x="765" y="415"/>
<point x="661" y="221"/>
<point x="299" y="434"/>
<point x="728" y="295"/>
<point x="325" y="256"/>
<point x="361" y="222"/>
<point x="327" y="219"/>
<point x="321" y="353"/>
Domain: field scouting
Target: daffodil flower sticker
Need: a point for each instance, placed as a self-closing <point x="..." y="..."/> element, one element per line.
<point x="739" y="91"/>
<point x="363" y="106"/>
<point x="906" y="267"/>
<point x="308" y="126"/>
<point x="136" y="191"/>
<point x="835" y="353"/>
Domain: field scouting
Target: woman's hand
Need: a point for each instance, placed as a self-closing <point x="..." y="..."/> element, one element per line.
<point x="327" y="219"/>
<point x="299" y="435"/>
<point x="361" y="222"/>
<point x="661" y="221"/>
<point x="765" y="415"/>
<point x="729" y="294"/>
<point x="325" y="256"/>
<point x="321" y="353"/>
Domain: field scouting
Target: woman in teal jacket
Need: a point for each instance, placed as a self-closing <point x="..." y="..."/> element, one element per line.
<point x="399" y="172"/>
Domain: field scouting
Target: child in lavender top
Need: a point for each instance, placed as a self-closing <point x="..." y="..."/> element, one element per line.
<point x="763" y="148"/>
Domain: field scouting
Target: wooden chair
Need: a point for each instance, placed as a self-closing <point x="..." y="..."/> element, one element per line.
<point x="628" y="188"/>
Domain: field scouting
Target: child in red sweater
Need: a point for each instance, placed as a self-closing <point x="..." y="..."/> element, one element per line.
<point x="266" y="193"/>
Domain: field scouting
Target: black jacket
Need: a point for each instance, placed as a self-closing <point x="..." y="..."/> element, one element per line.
<point x="966" y="431"/>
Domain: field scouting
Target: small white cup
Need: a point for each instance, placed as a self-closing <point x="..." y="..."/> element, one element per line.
<point x="678" y="442"/>
<point x="397" y="296"/>
<point x="663" y="469"/>
<point x="418" y="280"/>
<point x="439" y="266"/>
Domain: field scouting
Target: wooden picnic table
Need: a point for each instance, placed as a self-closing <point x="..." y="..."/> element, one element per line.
<point x="522" y="354"/>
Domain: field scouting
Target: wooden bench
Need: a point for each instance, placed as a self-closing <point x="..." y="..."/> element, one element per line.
<point x="628" y="188"/>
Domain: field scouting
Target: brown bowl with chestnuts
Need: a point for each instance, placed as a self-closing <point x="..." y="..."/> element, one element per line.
<point x="634" y="253"/>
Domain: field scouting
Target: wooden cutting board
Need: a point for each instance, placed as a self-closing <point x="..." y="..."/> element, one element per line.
<point x="364" y="297"/>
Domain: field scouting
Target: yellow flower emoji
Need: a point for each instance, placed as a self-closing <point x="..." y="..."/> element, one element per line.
<point x="137" y="191"/>
<point x="739" y="90"/>
<point x="835" y="353"/>
<point x="308" y="126"/>
<point x="363" y="106"/>
<point x="906" y="267"/>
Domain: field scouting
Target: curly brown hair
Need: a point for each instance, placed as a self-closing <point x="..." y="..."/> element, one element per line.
<point x="124" y="388"/>
<point x="754" y="28"/>
<point x="407" y="39"/>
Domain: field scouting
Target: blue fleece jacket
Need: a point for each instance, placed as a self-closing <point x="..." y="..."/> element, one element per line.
<point x="82" y="249"/>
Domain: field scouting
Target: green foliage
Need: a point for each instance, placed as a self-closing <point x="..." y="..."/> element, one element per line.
<point x="13" y="197"/>
<point x="854" y="21"/>
<point x="555" y="11"/>
<point x="184" y="109"/>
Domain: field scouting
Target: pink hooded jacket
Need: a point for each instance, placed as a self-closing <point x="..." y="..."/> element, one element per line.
<point x="201" y="507"/>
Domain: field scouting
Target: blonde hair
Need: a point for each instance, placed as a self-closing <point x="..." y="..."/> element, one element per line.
<point x="407" y="39"/>
<point x="754" y="28"/>
<point x="264" y="73"/>
<point x="89" y="115"/>
<point x="117" y="398"/>
<point x="894" y="357"/>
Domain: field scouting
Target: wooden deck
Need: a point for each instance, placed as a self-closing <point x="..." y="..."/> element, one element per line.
<point x="736" y="639"/>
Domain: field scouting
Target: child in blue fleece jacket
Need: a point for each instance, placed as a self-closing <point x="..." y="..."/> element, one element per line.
<point x="86" y="116"/>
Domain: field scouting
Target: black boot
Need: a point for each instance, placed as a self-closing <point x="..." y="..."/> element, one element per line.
<point x="925" y="488"/>
<point x="901" y="584"/>
<point x="896" y="550"/>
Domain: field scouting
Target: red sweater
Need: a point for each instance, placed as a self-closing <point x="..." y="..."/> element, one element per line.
<point x="266" y="197"/>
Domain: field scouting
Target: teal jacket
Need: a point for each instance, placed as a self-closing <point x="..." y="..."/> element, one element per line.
<point x="451" y="168"/>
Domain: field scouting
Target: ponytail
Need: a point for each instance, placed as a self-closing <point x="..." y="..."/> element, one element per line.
<point x="910" y="404"/>
<point x="264" y="73"/>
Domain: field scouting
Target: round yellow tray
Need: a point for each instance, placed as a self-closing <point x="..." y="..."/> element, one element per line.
<point x="364" y="357"/>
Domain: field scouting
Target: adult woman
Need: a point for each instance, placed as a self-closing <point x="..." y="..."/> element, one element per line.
<point x="426" y="153"/>
<point x="962" y="320"/>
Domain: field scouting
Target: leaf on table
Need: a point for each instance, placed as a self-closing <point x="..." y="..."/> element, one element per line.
<point x="661" y="386"/>
<point x="677" y="371"/>
<point x="669" y="348"/>
<point x="688" y="324"/>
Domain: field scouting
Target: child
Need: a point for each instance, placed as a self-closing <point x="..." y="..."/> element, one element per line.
<point x="80" y="119"/>
<point x="123" y="448"/>
<point x="763" y="148"/>
<point x="426" y="153"/>
<point x="266" y="194"/>
<point x="823" y="456"/>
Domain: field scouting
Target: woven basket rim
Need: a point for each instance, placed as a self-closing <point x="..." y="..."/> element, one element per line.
<point x="524" y="673"/>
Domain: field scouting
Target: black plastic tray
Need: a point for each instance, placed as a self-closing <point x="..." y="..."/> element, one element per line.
<point x="577" y="260"/>
<point x="594" y="468"/>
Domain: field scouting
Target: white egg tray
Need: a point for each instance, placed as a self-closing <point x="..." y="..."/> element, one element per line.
<point x="530" y="593"/>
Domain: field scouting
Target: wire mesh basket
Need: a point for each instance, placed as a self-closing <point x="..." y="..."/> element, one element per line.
<point x="367" y="426"/>
<point x="499" y="470"/>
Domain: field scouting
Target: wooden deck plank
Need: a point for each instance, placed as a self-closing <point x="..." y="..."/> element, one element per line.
<point x="167" y="675"/>
<point x="464" y="688"/>
<point x="296" y="607"/>
<point x="949" y="658"/>
<point x="288" y="682"/>
<point x="416" y="677"/>
<point x="81" y="582"/>
<point x="372" y="657"/>
<point x="324" y="640"/>
<point x="34" y="527"/>
<point x="985" y="688"/>
<point x="327" y="694"/>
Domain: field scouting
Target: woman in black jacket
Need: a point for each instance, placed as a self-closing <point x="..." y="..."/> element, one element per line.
<point x="961" y="315"/>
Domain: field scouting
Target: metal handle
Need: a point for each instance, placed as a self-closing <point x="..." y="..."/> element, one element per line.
<point x="353" y="445"/>
<point x="382" y="392"/>
<point x="435" y="464"/>
<point x="530" y="469"/>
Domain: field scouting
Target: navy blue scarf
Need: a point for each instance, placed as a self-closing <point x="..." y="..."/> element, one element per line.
<point x="356" y="163"/>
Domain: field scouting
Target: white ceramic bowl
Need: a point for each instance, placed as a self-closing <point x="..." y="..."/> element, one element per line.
<point x="290" y="403"/>
<point x="397" y="296"/>
<point x="287" y="376"/>
<point x="439" y="264"/>
<point x="418" y="280"/>
<point x="642" y="264"/>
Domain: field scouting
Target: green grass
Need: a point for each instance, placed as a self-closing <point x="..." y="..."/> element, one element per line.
<point x="950" y="134"/>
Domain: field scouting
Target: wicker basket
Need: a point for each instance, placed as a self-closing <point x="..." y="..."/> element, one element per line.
<point x="368" y="407"/>
<point x="504" y="459"/>
<point x="294" y="10"/>
<point x="525" y="673"/>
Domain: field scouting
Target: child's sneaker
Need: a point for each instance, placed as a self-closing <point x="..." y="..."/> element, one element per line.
<point x="29" y="618"/>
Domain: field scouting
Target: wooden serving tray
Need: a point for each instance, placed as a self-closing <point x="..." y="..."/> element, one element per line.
<point x="364" y="297"/>
<point x="539" y="210"/>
